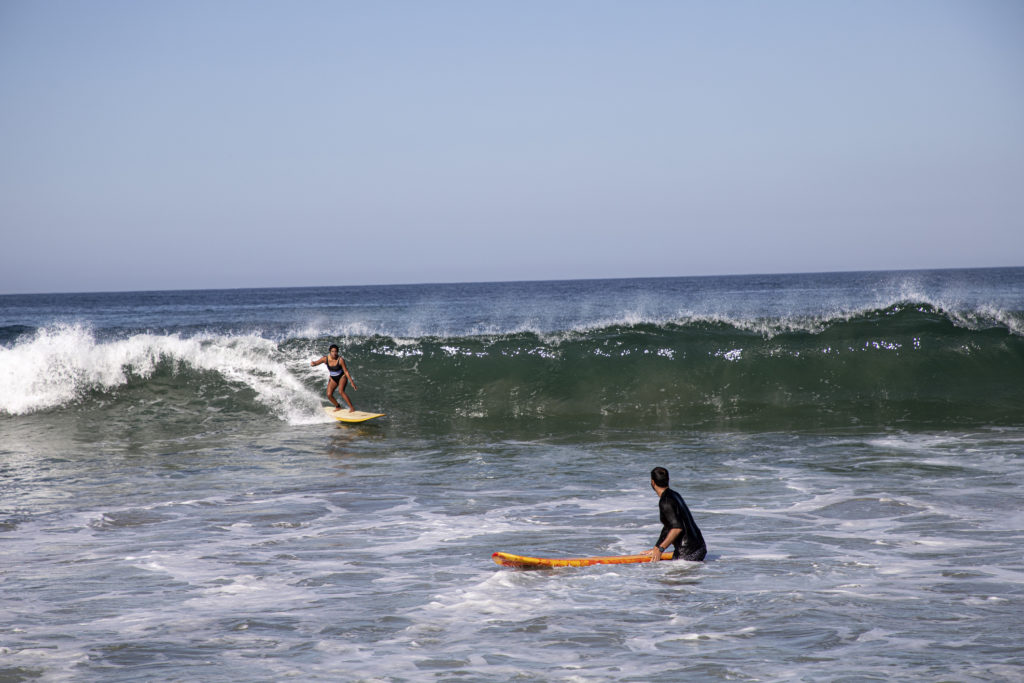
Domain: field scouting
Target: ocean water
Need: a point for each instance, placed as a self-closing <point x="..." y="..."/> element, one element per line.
<point x="174" y="505"/>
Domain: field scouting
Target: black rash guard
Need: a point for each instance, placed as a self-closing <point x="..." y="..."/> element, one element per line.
<point x="675" y="515"/>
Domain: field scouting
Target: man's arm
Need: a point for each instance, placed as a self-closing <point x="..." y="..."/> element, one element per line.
<point x="665" y="543"/>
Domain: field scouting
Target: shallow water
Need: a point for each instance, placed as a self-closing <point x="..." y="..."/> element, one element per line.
<point x="177" y="526"/>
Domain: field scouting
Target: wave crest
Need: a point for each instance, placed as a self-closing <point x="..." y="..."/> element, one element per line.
<point x="907" y="362"/>
<point x="61" y="364"/>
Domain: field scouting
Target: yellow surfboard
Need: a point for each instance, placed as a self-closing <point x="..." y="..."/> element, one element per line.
<point x="344" y="415"/>
<point x="523" y="562"/>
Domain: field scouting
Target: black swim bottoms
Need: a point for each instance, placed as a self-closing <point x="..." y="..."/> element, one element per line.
<point x="693" y="556"/>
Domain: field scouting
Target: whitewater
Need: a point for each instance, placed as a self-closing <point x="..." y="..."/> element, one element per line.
<point x="175" y="505"/>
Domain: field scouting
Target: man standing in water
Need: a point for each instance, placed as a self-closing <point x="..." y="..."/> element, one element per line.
<point x="339" y="376"/>
<point x="678" y="527"/>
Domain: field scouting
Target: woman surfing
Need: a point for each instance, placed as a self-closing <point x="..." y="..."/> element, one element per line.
<point x="339" y="377"/>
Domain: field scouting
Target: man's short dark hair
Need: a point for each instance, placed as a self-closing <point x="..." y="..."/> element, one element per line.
<point x="659" y="475"/>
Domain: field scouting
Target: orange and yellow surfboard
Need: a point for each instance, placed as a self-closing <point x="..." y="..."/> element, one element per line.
<point x="524" y="562"/>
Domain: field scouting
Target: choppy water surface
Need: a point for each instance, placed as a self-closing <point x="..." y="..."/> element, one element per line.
<point x="176" y="509"/>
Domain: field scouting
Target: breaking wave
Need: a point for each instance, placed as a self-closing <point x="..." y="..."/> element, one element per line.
<point x="908" y="363"/>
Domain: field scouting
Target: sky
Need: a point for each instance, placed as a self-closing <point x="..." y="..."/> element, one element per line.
<point x="192" y="144"/>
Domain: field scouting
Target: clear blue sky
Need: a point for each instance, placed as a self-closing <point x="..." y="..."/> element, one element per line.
<point x="165" y="145"/>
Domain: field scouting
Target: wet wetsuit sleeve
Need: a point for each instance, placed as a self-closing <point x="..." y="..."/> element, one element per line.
<point x="670" y="517"/>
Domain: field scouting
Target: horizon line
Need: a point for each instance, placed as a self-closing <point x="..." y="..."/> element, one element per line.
<point x="514" y="281"/>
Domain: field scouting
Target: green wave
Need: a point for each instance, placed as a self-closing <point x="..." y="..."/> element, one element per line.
<point x="897" y="366"/>
<point x="907" y="366"/>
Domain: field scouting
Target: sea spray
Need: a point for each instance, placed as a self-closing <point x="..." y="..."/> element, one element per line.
<point x="66" y="363"/>
<point x="909" y="363"/>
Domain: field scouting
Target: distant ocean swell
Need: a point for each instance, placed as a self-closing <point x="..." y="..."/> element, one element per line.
<point x="908" y="364"/>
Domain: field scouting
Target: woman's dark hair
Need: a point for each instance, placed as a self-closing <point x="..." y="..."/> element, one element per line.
<point x="333" y="347"/>
<point x="659" y="475"/>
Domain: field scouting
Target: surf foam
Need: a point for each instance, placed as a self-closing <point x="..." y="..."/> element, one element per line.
<point x="61" y="364"/>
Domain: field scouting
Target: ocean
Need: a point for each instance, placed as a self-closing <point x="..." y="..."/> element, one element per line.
<point x="175" y="505"/>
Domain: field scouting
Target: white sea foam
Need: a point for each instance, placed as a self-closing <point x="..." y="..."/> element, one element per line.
<point x="58" y="365"/>
<point x="553" y="329"/>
